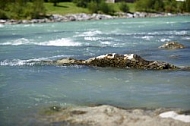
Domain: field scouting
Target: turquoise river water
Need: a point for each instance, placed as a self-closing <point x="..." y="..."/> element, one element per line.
<point x="26" y="87"/>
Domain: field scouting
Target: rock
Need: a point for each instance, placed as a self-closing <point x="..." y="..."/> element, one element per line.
<point x="106" y="115"/>
<point x="172" y="45"/>
<point x="117" y="60"/>
<point x="83" y="17"/>
<point x="68" y="61"/>
<point x="128" y="61"/>
<point x="176" y="116"/>
<point x="2" y="21"/>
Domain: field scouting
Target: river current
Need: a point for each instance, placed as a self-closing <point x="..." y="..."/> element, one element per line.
<point x="26" y="87"/>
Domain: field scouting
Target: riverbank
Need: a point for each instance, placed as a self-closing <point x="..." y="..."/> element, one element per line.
<point x="84" y="17"/>
<point x="113" y="116"/>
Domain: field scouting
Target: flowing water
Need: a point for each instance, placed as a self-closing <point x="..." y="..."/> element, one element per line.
<point x="26" y="87"/>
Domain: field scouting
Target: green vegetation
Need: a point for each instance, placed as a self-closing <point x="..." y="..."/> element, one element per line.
<point x="29" y="9"/>
<point x="124" y="7"/>
<point x="150" y="5"/>
<point x="171" y="6"/>
<point x="100" y="6"/>
<point x="51" y="110"/>
<point x="64" y="8"/>
<point x="21" y="9"/>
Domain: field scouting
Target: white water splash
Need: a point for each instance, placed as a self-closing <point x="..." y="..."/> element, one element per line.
<point x="60" y="42"/>
<point x="164" y="40"/>
<point x="30" y="62"/>
<point x="89" y="33"/>
<point x="57" y="42"/>
<point x="21" y="41"/>
<point x="89" y="38"/>
<point x="16" y="62"/>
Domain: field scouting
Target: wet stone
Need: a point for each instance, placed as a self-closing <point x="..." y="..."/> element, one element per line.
<point x="172" y="45"/>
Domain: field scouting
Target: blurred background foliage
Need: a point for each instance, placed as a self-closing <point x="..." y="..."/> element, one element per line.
<point x="31" y="9"/>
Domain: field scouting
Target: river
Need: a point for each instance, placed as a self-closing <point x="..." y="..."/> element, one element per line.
<point x="26" y="87"/>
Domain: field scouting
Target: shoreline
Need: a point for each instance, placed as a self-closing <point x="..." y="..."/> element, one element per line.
<point x="102" y="115"/>
<point x="85" y="17"/>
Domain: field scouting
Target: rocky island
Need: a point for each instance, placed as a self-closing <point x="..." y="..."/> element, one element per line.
<point x="133" y="61"/>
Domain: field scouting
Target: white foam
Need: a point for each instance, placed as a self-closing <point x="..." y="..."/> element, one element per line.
<point x="57" y="42"/>
<point x="89" y="38"/>
<point x="164" y="40"/>
<point x="59" y="56"/>
<point x="147" y="37"/>
<point x="20" y="62"/>
<point x="186" y="38"/>
<point x="60" y="42"/>
<point x="178" y="32"/>
<point x="21" y="41"/>
<point x="89" y="33"/>
<point x="29" y="62"/>
<point x="15" y="62"/>
<point x="106" y="43"/>
<point x="174" y="115"/>
<point x="181" y="32"/>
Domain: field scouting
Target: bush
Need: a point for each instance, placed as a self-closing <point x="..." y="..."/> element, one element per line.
<point x="106" y="8"/>
<point x="3" y="15"/>
<point x="99" y="6"/>
<point x="38" y="9"/>
<point x="82" y="3"/>
<point x="158" y="5"/>
<point x="150" y="5"/>
<point x="171" y="6"/>
<point x="124" y="7"/>
<point x="93" y="7"/>
<point x="187" y="5"/>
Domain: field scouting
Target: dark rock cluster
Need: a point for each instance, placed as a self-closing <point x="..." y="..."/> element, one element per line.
<point x="117" y="60"/>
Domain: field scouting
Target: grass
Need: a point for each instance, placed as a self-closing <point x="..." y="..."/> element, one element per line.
<point x="70" y="8"/>
<point x="64" y="8"/>
<point x="116" y="6"/>
<point x="131" y="6"/>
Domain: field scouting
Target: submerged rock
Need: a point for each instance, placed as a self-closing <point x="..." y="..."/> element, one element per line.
<point x="172" y="45"/>
<point x="119" y="61"/>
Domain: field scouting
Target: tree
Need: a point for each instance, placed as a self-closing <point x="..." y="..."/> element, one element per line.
<point x="144" y="5"/>
<point x="93" y="7"/>
<point x="187" y="3"/>
<point x="3" y="4"/>
<point x="159" y="5"/>
<point x="171" y="6"/>
<point x="100" y="6"/>
<point x="106" y="8"/>
<point x="150" y="5"/>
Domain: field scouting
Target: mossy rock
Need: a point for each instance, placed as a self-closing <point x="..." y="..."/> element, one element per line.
<point x="172" y="45"/>
<point x="51" y="110"/>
